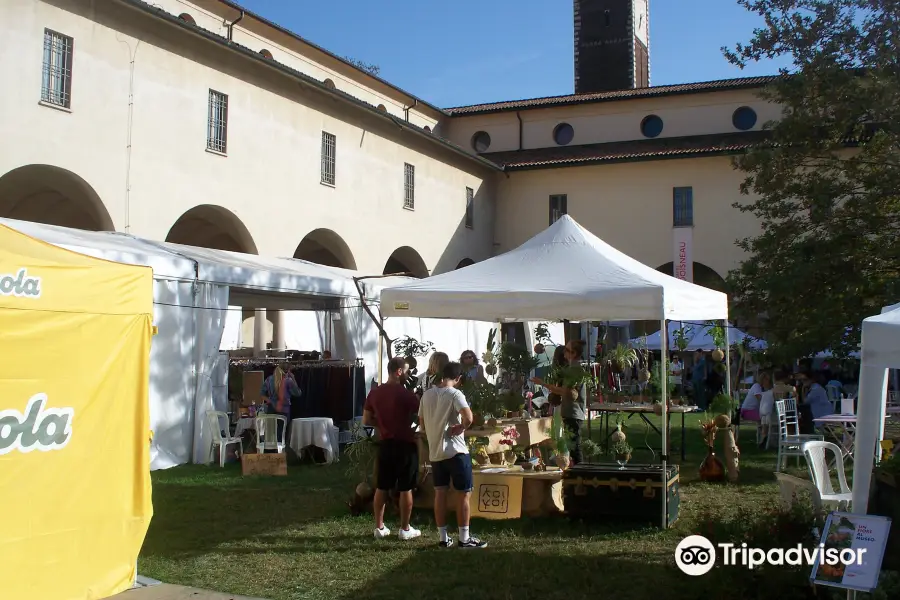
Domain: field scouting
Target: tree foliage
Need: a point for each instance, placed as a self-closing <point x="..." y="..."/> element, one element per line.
<point x="826" y="184"/>
<point x="369" y="68"/>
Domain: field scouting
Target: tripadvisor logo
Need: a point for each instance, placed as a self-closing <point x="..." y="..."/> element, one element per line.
<point x="40" y="428"/>
<point x="20" y="284"/>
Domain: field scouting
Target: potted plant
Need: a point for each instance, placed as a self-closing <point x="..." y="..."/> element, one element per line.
<point x="619" y="434"/>
<point x="717" y="332"/>
<point x="360" y="457"/>
<point x="590" y="450"/>
<point x="559" y="437"/>
<point x="622" y="357"/>
<point x="515" y="363"/>
<point x="622" y="451"/>
<point x="478" y="450"/>
<point x="711" y="469"/>
<point x="488" y="357"/>
<point x="509" y="439"/>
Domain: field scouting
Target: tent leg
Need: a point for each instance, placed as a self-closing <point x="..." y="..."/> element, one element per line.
<point x="664" y="428"/>
<point x="380" y="351"/>
<point x="727" y="360"/>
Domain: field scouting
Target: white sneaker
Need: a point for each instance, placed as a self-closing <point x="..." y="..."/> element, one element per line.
<point x="409" y="534"/>
<point x="382" y="533"/>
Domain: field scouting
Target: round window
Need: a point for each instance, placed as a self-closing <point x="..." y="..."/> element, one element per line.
<point x="744" y="118"/>
<point x="481" y="141"/>
<point x="563" y="134"/>
<point x="651" y="126"/>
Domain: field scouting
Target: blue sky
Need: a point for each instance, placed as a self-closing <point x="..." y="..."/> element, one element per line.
<point x="473" y="51"/>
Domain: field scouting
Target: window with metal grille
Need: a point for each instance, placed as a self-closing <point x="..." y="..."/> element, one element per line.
<point x="56" y="79"/>
<point x="558" y="207"/>
<point x="470" y="208"/>
<point x="682" y="207"/>
<point x="217" y="124"/>
<point x="329" y="158"/>
<point x="409" y="186"/>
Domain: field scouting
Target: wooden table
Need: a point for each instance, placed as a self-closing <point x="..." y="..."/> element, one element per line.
<point x="642" y="410"/>
<point x="531" y="433"/>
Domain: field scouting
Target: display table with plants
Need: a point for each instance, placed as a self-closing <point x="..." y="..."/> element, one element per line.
<point x="540" y="495"/>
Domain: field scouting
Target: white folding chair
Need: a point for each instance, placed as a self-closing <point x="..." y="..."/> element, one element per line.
<point x="219" y="427"/>
<point x="267" y="437"/>
<point x="790" y="440"/>
<point x="817" y="460"/>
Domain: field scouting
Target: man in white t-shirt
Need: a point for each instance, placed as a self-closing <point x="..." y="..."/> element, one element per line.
<point x="445" y="415"/>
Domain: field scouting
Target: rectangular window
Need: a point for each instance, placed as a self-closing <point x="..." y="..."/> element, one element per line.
<point x="56" y="73"/>
<point x="558" y="207"/>
<point x="409" y="186"/>
<point x="682" y="207"/>
<point x="217" y="127"/>
<point x="329" y="158"/>
<point x="470" y="208"/>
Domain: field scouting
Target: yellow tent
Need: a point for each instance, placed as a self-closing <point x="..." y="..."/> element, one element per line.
<point x="74" y="421"/>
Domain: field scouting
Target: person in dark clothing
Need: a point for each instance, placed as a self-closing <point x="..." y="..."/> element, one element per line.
<point x="573" y="403"/>
<point x="393" y="409"/>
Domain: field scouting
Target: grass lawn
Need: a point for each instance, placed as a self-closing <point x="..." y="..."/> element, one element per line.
<point x="293" y="538"/>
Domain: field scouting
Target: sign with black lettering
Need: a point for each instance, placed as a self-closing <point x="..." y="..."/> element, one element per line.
<point x="493" y="498"/>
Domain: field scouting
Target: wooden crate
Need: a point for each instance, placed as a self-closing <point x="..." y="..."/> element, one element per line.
<point x="264" y="464"/>
<point x="602" y="491"/>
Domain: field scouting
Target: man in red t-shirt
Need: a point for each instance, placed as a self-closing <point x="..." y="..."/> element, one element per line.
<point x="393" y="410"/>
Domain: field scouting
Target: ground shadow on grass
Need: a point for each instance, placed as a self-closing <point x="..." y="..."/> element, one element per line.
<point x="197" y="508"/>
<point x="562" y="573"/>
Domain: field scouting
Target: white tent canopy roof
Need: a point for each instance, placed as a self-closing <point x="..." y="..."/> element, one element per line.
<point x="881" y="339"/>
<point x="563" y="273"/>
<point x="254" y="281"/>
<point x="698" y="337"/>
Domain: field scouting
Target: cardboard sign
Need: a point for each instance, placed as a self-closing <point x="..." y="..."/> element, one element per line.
<point x="845" y="531"/>
<point x="264" y="464"/>
<point x="496" y="496"/>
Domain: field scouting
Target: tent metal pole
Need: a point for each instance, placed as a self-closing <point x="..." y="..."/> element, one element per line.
<point x="727" y="361"/>
<point x="380" y="351"/>
<point x="663" y="381"/>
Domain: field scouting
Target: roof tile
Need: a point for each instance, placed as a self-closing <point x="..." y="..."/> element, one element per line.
<point x="648" y="92"/>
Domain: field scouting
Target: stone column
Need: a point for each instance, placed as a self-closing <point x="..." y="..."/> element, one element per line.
<point x="278" y="330"/>
<point x="259" y="332"/>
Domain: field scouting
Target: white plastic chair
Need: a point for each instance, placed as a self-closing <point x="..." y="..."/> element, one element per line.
<point x="790" y="440"/>
<point x="816" y="458"/>
<point x="267" y="437"/>
<point x="220" y="436"/>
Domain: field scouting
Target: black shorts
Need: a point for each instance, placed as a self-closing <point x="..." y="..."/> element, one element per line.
<point x="398" y="465"/>
<point x="457" y="469"/>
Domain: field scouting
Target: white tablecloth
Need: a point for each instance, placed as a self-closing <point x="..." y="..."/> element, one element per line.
<point x="244" y="424"/>
<point x="315" y="431"/>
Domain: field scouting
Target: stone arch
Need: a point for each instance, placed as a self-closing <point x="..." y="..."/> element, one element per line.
<point x="211" y="226"/>
<point x="465" y="263"/>
<point x="406" y="260"/>
<point x="325" y="247"/>
<point x="703" y="275"/>
<point x="53" y="196"/>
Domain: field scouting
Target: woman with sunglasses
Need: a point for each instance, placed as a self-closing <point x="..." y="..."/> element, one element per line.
<point x="471" y="369"/>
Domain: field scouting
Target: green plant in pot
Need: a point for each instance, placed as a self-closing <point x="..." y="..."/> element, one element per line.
<point x="717" y="332"/>
<point x="489" y="357"/>
<point x="360" y="460"/>
<point x="515" y="362"/>
<point x="622" y="451"/>
<point x="621" y="358"/>
<point x="478" y="450"/>
<point x="590" y="450"/>
<point x="483" y="398"/>
<point x="722" y="405"/>
<point x="561" y="441"/>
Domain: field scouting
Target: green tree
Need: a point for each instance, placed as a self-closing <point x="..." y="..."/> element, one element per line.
<point x="825" y="185"/>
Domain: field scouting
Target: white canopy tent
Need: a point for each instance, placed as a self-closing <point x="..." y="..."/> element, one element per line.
<point x="880" y="352"/>
<point x="699" y="338"/>
<point x="563" y="273"/>
<point x="190" y="299"/>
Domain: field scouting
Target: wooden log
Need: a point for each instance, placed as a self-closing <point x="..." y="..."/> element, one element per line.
<point x="732" y="455"/>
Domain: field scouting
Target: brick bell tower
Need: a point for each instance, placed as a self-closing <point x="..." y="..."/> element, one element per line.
<point x="612" y="45"/>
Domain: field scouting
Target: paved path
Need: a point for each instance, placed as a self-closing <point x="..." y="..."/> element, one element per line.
<point x="164" y="591"/>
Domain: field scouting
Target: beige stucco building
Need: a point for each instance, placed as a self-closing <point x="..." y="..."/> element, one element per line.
<point x="202" y="123"/>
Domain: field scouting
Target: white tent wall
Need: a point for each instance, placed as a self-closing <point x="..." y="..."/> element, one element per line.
<point x="209" y="315"/>
<point x="231" y="336"/>
<point x="171" y="383"/>
<point x="307" y="330"/>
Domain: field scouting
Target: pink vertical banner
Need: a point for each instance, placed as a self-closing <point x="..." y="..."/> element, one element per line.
<point x="683" y="253"/>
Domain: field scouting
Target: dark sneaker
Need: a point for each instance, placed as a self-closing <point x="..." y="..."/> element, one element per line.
<point x="473" y="542"/>
<point x="447" y="544"/>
